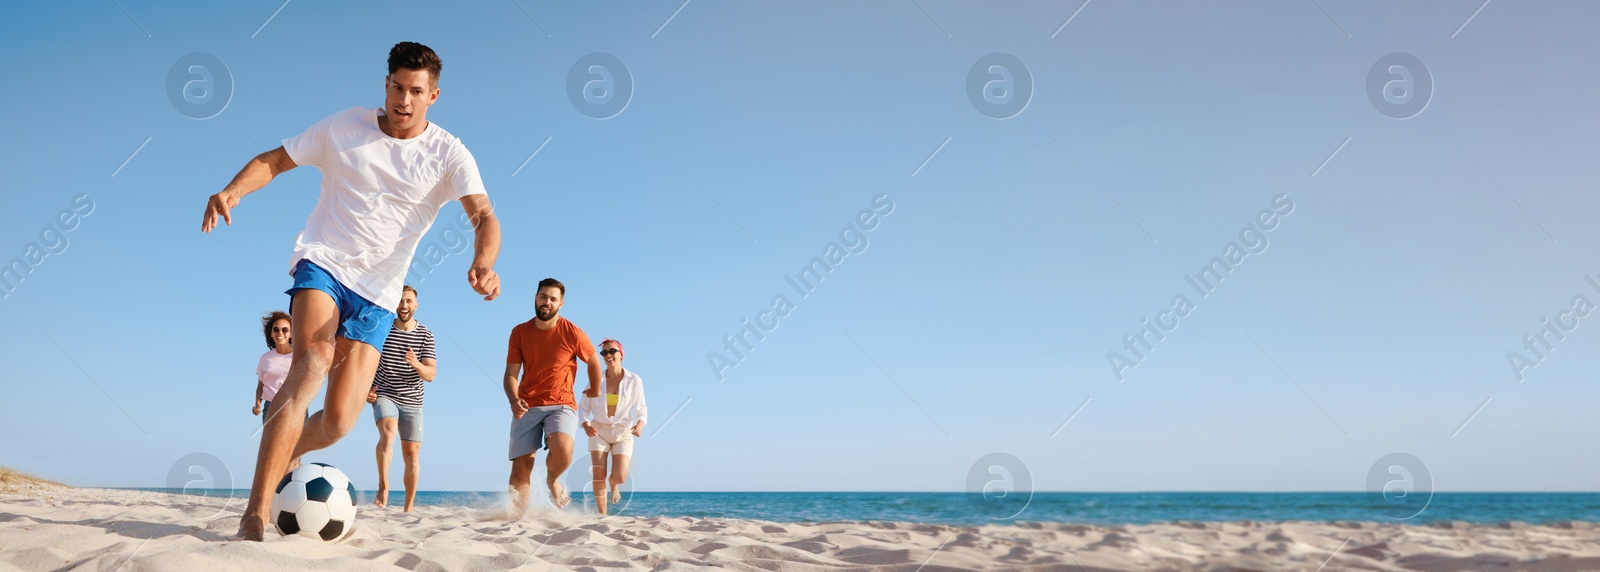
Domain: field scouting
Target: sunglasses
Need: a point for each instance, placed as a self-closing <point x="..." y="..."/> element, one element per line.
<point x="280" y="330"/>
<point x="610" y="351"/>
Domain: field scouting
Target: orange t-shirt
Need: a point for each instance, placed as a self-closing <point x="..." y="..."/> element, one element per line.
<point x="549" y="361"/>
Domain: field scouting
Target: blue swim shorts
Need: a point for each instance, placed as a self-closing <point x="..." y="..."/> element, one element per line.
<point x="359" y="319"/>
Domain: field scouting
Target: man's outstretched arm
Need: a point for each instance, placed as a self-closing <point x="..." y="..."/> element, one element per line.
<point x="485" y="245"/>
<point x="255" y="174"/>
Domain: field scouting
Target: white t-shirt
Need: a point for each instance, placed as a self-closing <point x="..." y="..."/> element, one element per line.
<point x="271" y="370"/>
<point x="379" y="196"/>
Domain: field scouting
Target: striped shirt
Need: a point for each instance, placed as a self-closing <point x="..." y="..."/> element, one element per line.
<point x="396" y="379"/>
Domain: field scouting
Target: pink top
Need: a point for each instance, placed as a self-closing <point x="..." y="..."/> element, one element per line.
<point x="271" y="371"/>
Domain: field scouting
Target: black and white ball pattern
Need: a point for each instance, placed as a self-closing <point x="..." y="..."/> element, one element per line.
<point x="315" y="500"/>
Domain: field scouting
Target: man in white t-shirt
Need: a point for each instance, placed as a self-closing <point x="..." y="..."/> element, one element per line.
<point x="385" y="175"/>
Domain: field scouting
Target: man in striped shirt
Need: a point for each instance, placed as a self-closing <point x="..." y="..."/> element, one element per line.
<point x="396" y="395"/>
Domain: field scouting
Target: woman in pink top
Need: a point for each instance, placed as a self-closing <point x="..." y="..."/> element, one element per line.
<point x="273" y="366"/>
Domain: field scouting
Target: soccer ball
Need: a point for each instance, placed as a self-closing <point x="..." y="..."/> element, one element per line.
<point x="315" y="500"/>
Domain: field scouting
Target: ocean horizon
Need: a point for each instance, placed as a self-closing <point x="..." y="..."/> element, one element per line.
<point x="1114" y="508"/>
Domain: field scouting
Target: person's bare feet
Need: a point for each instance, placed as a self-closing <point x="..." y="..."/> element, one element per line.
<point x="558" y="495"/>
<point x="293" y="464"/>
<point x="252" y="528"/>
<point x="616" y="495"/>
<point x="382" y="498"/>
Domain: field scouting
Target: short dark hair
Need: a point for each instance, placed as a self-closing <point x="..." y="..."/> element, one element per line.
<point x="408" y="288"/>
<point x="266" y="327"/>
<point x="548" y="282"/>
<point x="415" y="56"/>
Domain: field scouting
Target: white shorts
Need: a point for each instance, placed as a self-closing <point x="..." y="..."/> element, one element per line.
<point x="614" y="438"/>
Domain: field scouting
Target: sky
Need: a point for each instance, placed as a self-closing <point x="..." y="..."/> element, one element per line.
<point x="976" y="332"/>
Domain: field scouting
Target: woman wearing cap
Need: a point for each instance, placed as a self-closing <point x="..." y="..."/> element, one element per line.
<point x="612" y="420"/>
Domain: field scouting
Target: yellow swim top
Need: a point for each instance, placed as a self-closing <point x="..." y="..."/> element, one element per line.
<point x="611" y="399"/>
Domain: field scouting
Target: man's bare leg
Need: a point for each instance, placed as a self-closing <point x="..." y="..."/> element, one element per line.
<point x="314" y="320"/>
<point x="350" y="379"/>
<point x="619" y="475"/>
<point x="411" y="451"/>
<point x="556" y="464"/>
<point x="350" y="375"/>
<point x="597" y="470"/>
<point x="521" y="476"/>
<point x="388" y="427"/>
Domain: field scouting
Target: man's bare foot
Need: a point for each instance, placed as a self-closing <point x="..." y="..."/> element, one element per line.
<point x="293" y="464"/>
<point x="616" y="496"/>
<point x="382" y="498"/>
<point x="408" y="507"/>
<point x="519" y="504"/>
<point x="558" y="495"/>
<point x="252" y="528"/>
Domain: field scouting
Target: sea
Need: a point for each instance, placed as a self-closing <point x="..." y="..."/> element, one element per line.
<point x="1064" y="507"/>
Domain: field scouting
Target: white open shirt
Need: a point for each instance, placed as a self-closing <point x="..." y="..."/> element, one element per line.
<point x="630" y="403"/>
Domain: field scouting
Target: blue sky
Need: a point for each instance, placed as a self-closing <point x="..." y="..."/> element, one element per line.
<point x="978" y="319"/>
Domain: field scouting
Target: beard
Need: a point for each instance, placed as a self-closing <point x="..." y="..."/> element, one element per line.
<point x="546" y="316"/>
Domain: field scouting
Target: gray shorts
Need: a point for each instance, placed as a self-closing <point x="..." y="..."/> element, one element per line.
<point x="410" y="417"/>
<point x="266" y="411"/>
<point x="533" y="430"/>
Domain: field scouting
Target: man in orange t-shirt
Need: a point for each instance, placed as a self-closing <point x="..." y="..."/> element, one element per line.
<point x="545" y="352"/>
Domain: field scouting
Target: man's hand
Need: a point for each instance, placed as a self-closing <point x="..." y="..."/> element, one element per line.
<point x="484" y="281"/>
<point x="590" y="430"/>
<point x="220" y="205"/>
<point x="372" y="395"/>
<point x="591" y="392"/>
<point x="638" y="429"/>
<point x="256" y="174"/>
<point x="485" y="245"/>
<point x="518" y="408"/>
<point x="411" y="358"/>
<point x="256" y="410"/>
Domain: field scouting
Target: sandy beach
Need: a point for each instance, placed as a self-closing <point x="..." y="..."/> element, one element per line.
<point x="47" y="527"/>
